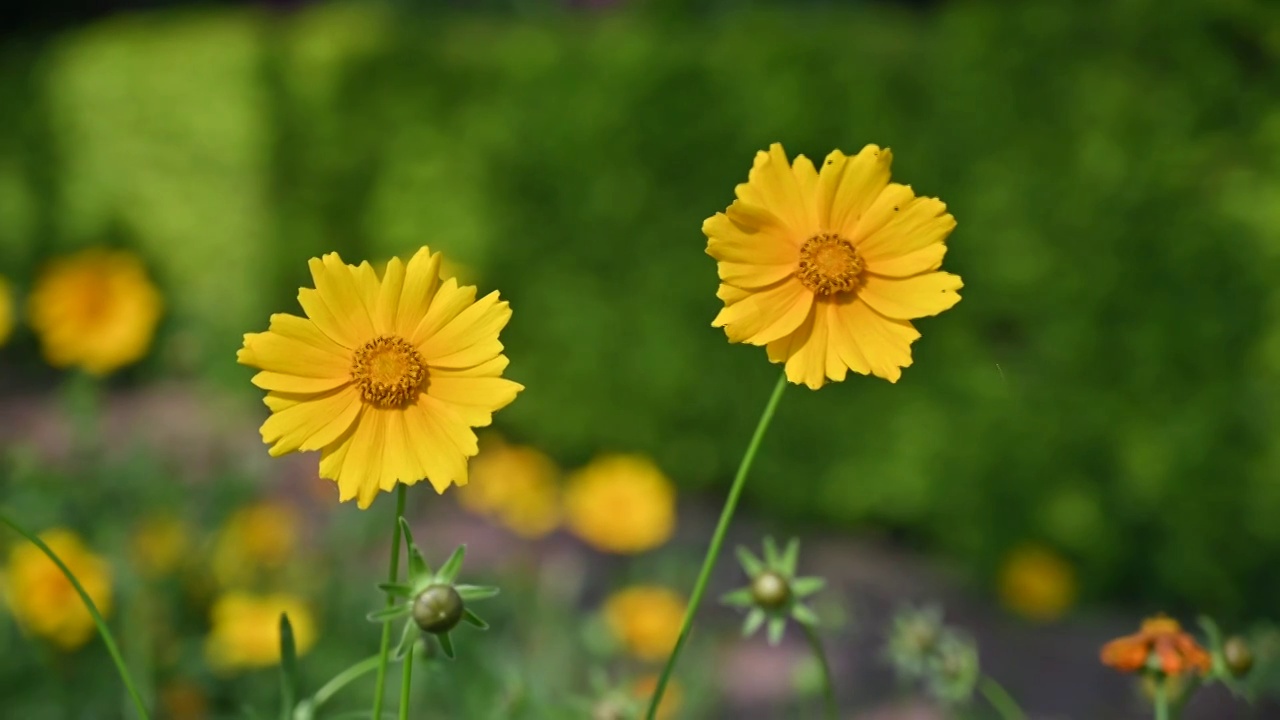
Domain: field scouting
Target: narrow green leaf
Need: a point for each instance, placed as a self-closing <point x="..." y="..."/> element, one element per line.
<point x="388" y="614"/>
<point x="446" y="644"/>
<point x="449" y="571"/>
<point x="408" y="637"/>
<point x="475" y="592"/>
<point x="396" y="589"/>
<point x="777" y="626"/>
<point x="751" y="564"/>
<point x="771" y="556"/>
<point x="418" y="566"/>
<point x="288" y="668"/>
<point x="754" y="620"/>
<point x="738" y="598"/>
<point x="474" y="619"/>
<point x="803" y="614"/>
<point x="806" y="586"/>
<point x="790" y="557"/>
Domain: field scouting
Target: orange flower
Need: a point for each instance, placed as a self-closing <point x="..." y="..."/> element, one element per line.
<point x="1161" y="637"/>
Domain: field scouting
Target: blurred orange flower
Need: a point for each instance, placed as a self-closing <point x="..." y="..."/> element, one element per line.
<point x="246" y="630"/>
<point x="646" y="619"/>
<point x="515" y="485"/>
<point x="1037" y="583"/>
<point x="44" y="602"/>
<point x="620" y="504"/>
<point x="1160" y="643"/>
<point x="96" y="310"/>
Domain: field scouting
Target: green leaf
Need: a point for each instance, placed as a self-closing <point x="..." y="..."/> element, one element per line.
<point x="396" y="589"/>
<point x="738" y="598"/>
<point x="288" y="668"/>
<point x="771" y="556"/>
<point x="446" y="644"/>
<point x="803" y="614"/>
<point x="418" y="566"/>
<point x="754" y="620"/>
<point x="449" y="571"/>
<point x="790" y="557"/>
<point x="751" y="564"/>
<point x="474" y="619"/>
<point x="387" y="614"/>
<point x="777" y="626"/>
<point x="806" y="586"/>
<point x="475" y="592"/>
<point x="408" y="637"/>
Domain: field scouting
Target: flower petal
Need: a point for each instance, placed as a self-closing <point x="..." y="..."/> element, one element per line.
<point x="295" y="346"/>
<point x="884" y="342"/>
<point x="900" y="223"/>
<point x="471" y="337"/>
<point x="489" y="368"/>
<point x="449" y="301"/>
<point x="298" y="385"/>
<point x="848" y="186"/>
<point x="913" y="297"/>
<point x="736" y="241"/>
<point x="475" y="399"/>
<point x="336" y="286"/>
<point x="389" y="294"/>
<point x="430" y="426"/>
<point x="804" y="352"/>
<point x="421" y="280"/>
<point x="926" y="259"/>
<point x="772" y="185"/>
<point x="766" y="315"/>
<point x="309" y="422"/>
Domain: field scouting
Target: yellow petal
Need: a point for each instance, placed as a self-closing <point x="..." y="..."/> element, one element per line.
<point x="336" y="286"/>
<point x="489" y="368"/>
<point x="309" y="423"/>
<point x="443" y="459"/>
<point x="283" y="349"/>
<point x="449" y="300"/>
<point x="421" y="280"/>
<point x="298" y="385"/>
<point x="900" y="223"/>
<point x="471" y="337"/>
<point x="489" y="393"/>
<point x="772" y="185"/>
<point x="388" y="302"/>
<point x="849" y="186"/>
<point x="926" y="259"/>
<point x="844" y="348"/>
<point x="807" y="178"/>
<point x="913" y="297"/>
<point x="753" y="244"/>
<point x="804" y="352"/>
<point x="884" y="342"/>
<point x="368" y="287"/>
<point x="766" y="315"/>
<point x="401" y="459"/>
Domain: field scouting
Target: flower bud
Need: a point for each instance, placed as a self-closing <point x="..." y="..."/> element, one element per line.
<point x="770" y="590"/>
<point x="438" y="609"/>
<point x="1238" y="656"/>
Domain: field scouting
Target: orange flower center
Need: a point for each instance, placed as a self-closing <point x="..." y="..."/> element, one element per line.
<point x="389" y="371"/>
<point x="829" y="264"/>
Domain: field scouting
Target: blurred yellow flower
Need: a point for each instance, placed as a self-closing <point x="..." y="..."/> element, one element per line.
<point x="263" y="536"/>
<point x="386" y="377"/>
<point x="671" y="699"/>
<point x="44" y="602"/>
<point x="645" y="619"/>
<point x="184" y="700"/>
<point x="515" y="485"/>
<point x="159" y="545"/>
<point x="6" y="310"/>
<point x="246" y="630"/>
<point x="827" y="269"/>
<point x="95" y="309"/>
<point x="621" y="504"/>
<point x="1037" y="583"/>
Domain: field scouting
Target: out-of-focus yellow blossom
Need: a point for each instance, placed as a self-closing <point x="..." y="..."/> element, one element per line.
<point x="620" y="504"/>
<point x="671" y="699"/>
<point x="516" y="486"/>
<point x="6" y="310"/>
<point x="259" y="537"/>
<point x="44" y="602"/>
<point x="96" y="310"/>
<point x="1037" y="583"/>
<point x="159" y="545"/>
<point x="246" y="630"/>
<point x="184" y="700"/>
<point x="646" y="619"/>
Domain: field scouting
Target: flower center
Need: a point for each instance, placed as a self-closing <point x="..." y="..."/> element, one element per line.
<point x="389" y="371"/>
<point x="829" y="264"/>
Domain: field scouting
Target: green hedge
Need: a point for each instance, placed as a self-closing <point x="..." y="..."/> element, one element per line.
<point x="1106" y="385"/>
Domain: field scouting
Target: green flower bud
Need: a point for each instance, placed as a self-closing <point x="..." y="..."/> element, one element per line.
<point x="1238" y="656"/>
<point x="770" y="590"/>
<point x="438" y="609"/>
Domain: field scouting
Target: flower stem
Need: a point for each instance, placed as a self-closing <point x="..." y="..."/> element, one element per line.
<point x="828" y="688"/>
<point x="405" y="685"/>
<point x="717" y="539"/>
<point x="1000" y="699"/>
<point x="392" y="576"/>
<point x="1162" y="698"/>
<point x="107" y="638"/>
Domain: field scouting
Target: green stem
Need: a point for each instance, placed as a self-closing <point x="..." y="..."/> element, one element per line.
<point x="392" y="575"/>
<point x="405" y="685"/>
<point x="344" y="678"/>
<point x="107" y="638"/>
<point x="828" y="688"/>
<point x="1162" y="698"/>
<point x="717" y="539"/>
<point x="1000" y="699"/>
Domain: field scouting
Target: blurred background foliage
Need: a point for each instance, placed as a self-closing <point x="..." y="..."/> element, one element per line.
<point x="1107" y="387"/>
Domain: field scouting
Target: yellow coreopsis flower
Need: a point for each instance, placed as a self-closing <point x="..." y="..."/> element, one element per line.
<point x="257" y="537"/>
<point x="516" y="486"/>
<point x="6" y="310"/>
<point x="44" y="602"/>
<point x="645" y="619"/>
<point x="1037" y="583"/>
<point x="827" y="268"/>
<point x="620" y="504"/>
<point x="245" y="630"/>
<point x="95" y="309"/>
<point x="386" y="377"/>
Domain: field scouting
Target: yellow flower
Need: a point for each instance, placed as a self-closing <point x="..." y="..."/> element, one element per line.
<point x="827" y="269"/>
<point x="517" y="486"/>
<point x="643" y="689"/>
<point x="159" y="545"/>
<point x="645" y="619"/>
<point x="1037" y="583"/>
<point x="44" y="602"/>
<point x="6" y="310"/>
<point x="246" y="630"/>
<point x="96" y="310"/>
<point x="621" y="504"/>
<point x="386" y="377"/>
<point x="256" y="537"/>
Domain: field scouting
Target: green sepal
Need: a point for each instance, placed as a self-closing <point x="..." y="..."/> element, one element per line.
<point x="771" y="556"/>
<point x="803" y="614"/>
<point x="738" y="598"/>
<point x="449" y="571"/>
<point x="806" y="586"/>
<point x="754" y="620"/>
<point x="751" y="564"/>
<point x="446" y="644"/>
<point x="475" y="592"/>
<point x="418" y="566"/>
<point x="408" y="637"/>
<point x="777" y="626"/>
<point x="396" y="589"/>
<point x="387" y="614"/>
<point x="474" y="619"/>
<point x="790" y="557"/>
<point x="288" y="668"/>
